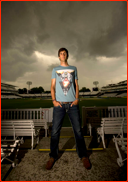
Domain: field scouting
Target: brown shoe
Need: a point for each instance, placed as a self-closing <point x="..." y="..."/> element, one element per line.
<point x="86" y="162"/>
<point x="50" y="163"/>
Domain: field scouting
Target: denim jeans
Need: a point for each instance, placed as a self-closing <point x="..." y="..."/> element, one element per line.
<point x="74" y="116"/>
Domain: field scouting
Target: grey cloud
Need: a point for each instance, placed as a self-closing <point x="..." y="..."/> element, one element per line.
<point x="44" y="22"/>
<point x="20" y="21"/>
<point x="34" y="18"/>
<point x="15" y="65"/>
<point x="75" y="8"/>
<point x="109" y="43"/>
<point x="104" y="38"/>
<point x="86" y="29"/>
<point x="41" y="38"/>
<point x="29" y="48"/>
<point x="50" y="68"/>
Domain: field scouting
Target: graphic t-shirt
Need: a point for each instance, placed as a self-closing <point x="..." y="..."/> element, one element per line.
<point x="65" y="83"/>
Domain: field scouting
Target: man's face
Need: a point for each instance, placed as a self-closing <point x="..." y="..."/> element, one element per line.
<point x="63" y="56"/>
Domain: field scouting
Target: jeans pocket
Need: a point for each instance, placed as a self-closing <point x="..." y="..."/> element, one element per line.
<point x="56" y="106"/>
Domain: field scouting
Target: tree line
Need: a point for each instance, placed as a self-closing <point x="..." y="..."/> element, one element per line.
<point x="38" y="90"/>
<point x="34" y="90"/>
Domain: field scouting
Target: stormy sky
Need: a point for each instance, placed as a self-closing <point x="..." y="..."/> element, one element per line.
<point x="95" y="34"/>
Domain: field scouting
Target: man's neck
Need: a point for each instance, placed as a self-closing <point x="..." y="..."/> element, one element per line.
<point x="64" y="63"/>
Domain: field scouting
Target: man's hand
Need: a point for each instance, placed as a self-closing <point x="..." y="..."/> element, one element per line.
<point x="56" y="103"/>
<point x="75" y="102"/>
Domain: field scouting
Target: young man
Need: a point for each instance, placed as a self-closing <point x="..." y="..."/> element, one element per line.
<point x="65" y="97"/>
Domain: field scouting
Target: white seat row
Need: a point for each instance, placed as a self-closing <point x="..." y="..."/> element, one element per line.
<point x="19" y="128"/>
<point x="113" y="111"/>
<point x="7" y="148"/>
<point x="41" y="116"/>
<point x="123" y="143"/>
<point x="115" y="126"/>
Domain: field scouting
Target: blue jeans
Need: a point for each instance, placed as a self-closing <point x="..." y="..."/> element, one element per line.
<point x="74" y="116"/>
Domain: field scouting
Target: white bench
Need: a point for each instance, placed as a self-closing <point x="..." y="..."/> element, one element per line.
<point x="113" y="111"/>
<point x="7" y="129"/>
<point x="38" y="124"/>
<point x="7" y="148"/>
<point x="41" y="116"/>
<point x="111" y="126"/>
<point x="125" y="126"/>
<point x="123" y="143"/>
<point x="19" y="128"/>
<point x="117" y="111"/>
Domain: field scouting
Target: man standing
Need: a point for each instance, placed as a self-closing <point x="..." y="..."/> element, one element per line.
<point x="65" y="97"/>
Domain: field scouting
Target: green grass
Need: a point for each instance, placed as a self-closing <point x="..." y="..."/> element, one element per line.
<point x="36" y="103"/>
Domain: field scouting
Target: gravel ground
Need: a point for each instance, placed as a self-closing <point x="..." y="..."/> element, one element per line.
<point x="68" y="167"/>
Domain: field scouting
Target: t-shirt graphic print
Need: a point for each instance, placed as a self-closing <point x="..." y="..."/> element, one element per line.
<point x="65" y="83"/>
<point x="66" y="78"/>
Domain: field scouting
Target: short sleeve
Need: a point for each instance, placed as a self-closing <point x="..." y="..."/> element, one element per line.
<point x="53" y="73"/>
<point x="76" y="76"/>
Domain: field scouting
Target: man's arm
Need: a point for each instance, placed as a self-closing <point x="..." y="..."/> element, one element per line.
<point x="77" y="94"/>
<point x="77" y="89"/>
<point x="53" y="84"/>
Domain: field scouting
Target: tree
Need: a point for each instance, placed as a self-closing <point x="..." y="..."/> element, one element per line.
<point x="20" y="91"/>
<point x="41" y="89"/>
<point x="24" y="90"/>
<point x="95" y="89"/>
<point x="32" y="91"/>
<point x="47" y="92"/>
<point x="37" y="90"/>
<point x="84" y="89"/>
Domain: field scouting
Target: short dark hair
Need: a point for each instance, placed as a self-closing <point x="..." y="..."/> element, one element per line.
<point x="63" y="49"/>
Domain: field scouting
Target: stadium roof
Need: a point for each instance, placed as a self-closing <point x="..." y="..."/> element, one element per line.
<point x="7" y="85"/>
<point x="125" y="81"/>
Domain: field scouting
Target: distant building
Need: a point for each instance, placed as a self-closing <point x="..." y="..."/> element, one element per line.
<point x="7" y="88"/>
<point x="121" y="86"/>
<point x="9" y="91"/>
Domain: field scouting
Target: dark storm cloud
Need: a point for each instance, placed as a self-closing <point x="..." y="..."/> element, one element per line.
<point x="42" y="23"/>
<point x="104" y="43"/>
<point x="86" y="29"/>
<point x="22" y="25"/>
<point x="50" y="68"/>
<point x="15" y="63"/>
<point x="105" y="34"/>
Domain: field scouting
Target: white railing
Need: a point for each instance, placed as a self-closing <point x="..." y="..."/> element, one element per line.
<point x="41" y="116"/>
<point x="41" y="113"/>
<point x="117" y="111"/>
<point x="110" y="111"/>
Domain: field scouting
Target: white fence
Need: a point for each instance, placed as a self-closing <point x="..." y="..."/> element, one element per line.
<point x="91" y="116"/>
<point x="41" y="113"/>
<point x="117" y="111"/>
